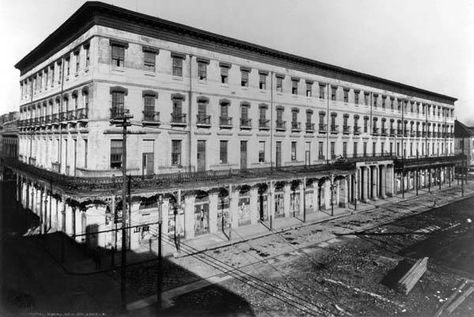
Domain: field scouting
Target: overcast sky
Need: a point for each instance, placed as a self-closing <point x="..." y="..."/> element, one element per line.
<point x="424" y="43"/>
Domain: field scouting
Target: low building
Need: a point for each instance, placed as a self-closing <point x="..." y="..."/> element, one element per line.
<point x="464" y="142"/>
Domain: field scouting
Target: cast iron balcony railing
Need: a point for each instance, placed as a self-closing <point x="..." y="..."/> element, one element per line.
<point x="309" y="127"/>
<point x="399" y="132"/>
<point x="47" y="119"/>
<point x="356" y="130"/>
<point x="62" y="116"/>
<point x="405" y="134"/>
<point x="346" y="129"/>
<point x="392" y="132"/>
<point x="429" y="134"/>
<point x="418" y="134"/>
<point x="82" y="114"/>
<point x="295" y="126"/>
<point x="384" y="132"/>
<point x="71" y="115"/>
<point x="151" y="118"/>
<point x="375" y="131"/>
<point x="280" y="125"/>
<point x="245" y="123"/>
<point x="321" y="157"/>
<point x="178" y="119"/>
<point x="54" y="118"/>
<point x="322" y="128"/>
<point x="203" y="121"/>
<point x="334" y="129"/>
<point x="225" y="122"/>
<point x="263" y="124"/>
<point x="118" y="113"/>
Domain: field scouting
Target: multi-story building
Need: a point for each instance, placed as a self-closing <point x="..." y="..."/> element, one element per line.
<point x="226" y="132"/>
<point x="464" y="142"/>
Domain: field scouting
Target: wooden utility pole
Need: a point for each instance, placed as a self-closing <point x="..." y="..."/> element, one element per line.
<point x="159" y="281"/>
<point x="121" y="117"/>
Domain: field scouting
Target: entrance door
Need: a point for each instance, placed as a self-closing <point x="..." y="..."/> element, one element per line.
<point x="148" y="167"/>
<point x="278" y="154"/>
<point x="201" y="156"/>
<point x="243" y="154"/>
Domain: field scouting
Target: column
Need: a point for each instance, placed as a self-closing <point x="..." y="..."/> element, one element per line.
<point x="345" y="195"/>
<point x="234" y="208"/>
<point x="165" y="211"/>
<point x="383" y="185"/>
<point x="375" y="182"/>
<point x="271" y="201"/>
<point x="189" y="216"/>
<point x="42" y="217"/>
<point x="286" y="200"/>
<point x="337" y="193"/>
<point x="254" y="208"/>
<point x="364" y="183"/>
<point x="213" y="203"/>
<point x="302" y="196"/>
<point x="327" y="195"/>
<point x="315" y="195"/>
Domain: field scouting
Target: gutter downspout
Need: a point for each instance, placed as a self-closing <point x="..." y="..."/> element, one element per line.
<point x="271" y="120"/>
<point x="190" y="107"/>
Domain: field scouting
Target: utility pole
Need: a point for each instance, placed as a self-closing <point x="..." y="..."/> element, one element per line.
<point x="160" y="258"/>
<point x="121" y="117"/>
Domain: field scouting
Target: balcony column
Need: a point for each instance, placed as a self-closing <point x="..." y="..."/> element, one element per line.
<point x="254" y="212"/>
<point x="189" y="216"/>
<point x="364" y="183"/>
<point x="344" y="198"/>
<point x="54" y="211"/>
<point x="375" y="182"/>
<point x="165" y="212"/>
<point x="315" y="195"/>
<point x="327" y="194"/>
<point x="383" y="177"/>
<point x="34" y="200"/>
<point x="286" y="200"/>
<point x="213" y="203"/>
<point x="79" y="230"/>
<point x="234" y="207"/>
<point x="42" y="211"/>
<point x="302" y="193"/>
<point x="271" y="202"/>
<point x="337" y="193"/>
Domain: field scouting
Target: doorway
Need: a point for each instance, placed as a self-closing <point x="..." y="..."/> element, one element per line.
<point x="201" y="155"/>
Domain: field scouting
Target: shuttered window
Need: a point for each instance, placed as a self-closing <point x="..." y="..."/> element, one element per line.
<point x="116" y="152"/>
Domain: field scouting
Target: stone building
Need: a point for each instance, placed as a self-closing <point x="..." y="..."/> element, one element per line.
<point x="227" y="133"/>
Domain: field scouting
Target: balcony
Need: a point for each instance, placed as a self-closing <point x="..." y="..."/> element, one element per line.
<point x="55" y="118"/>
<point x="375" y="131"/>
<point x="245" y="123"/>
<point x="356" y="130"/>
<point x="263" y="124"/>
<point x="334" y="129"/>
<point x="82" y="114"/>
<point x="225" y="122"/>
<point x="392" y="132"/>
<point x="203" y="121"/>
<point x="295" y="126"/>
<point x="323" y="128"/>
<point x="178" y="119"/>
<point x="309" y="127"/>
<point x="71" y="115"/>
<point x="151" y="118"/>
<point x="384" y="132"/>
<point x="321" y="157"/>
<point x="55" y="167"/>
<point x="47" y="119"/>
<point x="418" y="134"/>
<point x="346" y="129"/>
<point x="429" y="134"/>
<point x="406" y="134"/>
<point x="399" y="132"/>
<point x="280" y="125"/>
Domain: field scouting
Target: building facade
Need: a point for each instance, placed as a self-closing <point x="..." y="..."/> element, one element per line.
<point x="464" y="142"/>
<point x="226" y="132"/>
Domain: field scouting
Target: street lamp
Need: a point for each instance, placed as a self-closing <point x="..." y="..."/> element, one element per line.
<point x="160" y="258"/>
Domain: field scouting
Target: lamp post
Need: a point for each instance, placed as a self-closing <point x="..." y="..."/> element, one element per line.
<point x="159" y="281"/>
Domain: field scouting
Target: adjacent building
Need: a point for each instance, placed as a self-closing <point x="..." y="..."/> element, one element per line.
<point x="224" y="133"/>
<point x="464" y="142"/>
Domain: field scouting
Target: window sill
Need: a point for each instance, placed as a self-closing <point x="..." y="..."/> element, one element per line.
<point x="177" y="78"/>
<point x="149" y="74"/>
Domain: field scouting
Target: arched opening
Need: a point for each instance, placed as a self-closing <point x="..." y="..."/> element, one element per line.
<point x="279" y="200"/>
<point x="201" y="213"/>
<point x="223" y="214"/>
<point x="263" y="202"/>
<point x="244" y="206"/>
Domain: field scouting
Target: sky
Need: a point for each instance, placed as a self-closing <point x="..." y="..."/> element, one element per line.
<point x="424" y="43"/>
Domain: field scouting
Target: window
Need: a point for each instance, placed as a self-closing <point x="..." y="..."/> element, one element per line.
<point x="244" y="80"/>
<point x="321" y="150"/>
<point x="333" y="150"/>
<point x="391" y="102"/>
<point x="375" y="101"/>
<point x="87" y="52"/>
<point x="85" y="153"/>
<point x="322" y="89"/>
<point x="294" y="115"/>
<point x="177" y="115"/>
<point x="149" y="108"/>
<point x="346" y="95"/>
<point x="261" y="151"/>
<point x="40" y="81"/>
<point x="364" y="148"/>
<point x="344" y="149"/>
<point x="224" y="109"/>
<point x="279" y="83"/>
<point x="293" y="150"/>
<point x="333" y="92"/>
<point x="355" y="149"/>
<point x="366" y="98"/>
<point x="77" y="59"/>
<point x="383" y="101"/>
<point x="294" y="86"/>
<point x="68" y="66"/>
<point x="116" y="152"/>
<point x="52" y="75"/>
<point x="118" y="55"/>
<point x="225" y="73"/>
<point x="374" y="148"/>
<point x="177" y="66"/>
<point x="223" y="151"/>
<point x="309" y="88"/>
<point x="149" y="61"/>
<point x="118" y="103"/>
<point x="262" y="82"/>
<point x="60" y="72"/>
<point x="176" y="152"/>
<point x="366" y="123"/>
<point x="202" y="71"/>
<point x="356" y="96"/>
